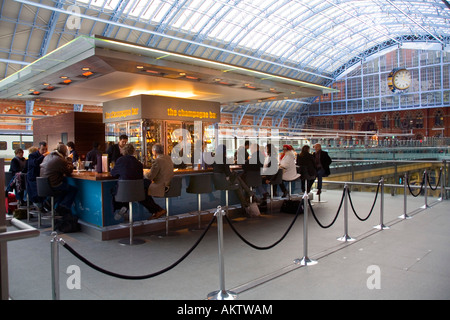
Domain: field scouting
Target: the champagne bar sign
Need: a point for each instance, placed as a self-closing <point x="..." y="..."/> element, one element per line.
<point x="160" y="108"/>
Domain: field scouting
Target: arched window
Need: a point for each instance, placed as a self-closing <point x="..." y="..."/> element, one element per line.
<point x="438" y="118"/>
<point x="351" y="123"/>
<point x="341" y="123"/>
<point x="385" y="121"/>
<point x="397" y="120"/>
<point x="419" y="120"/>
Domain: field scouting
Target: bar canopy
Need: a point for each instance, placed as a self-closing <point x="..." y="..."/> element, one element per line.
<point x="93" y="70"/>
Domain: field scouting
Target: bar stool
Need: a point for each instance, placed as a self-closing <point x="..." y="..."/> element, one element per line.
<point x="274" y="181"/>
<point x="252" y="179"/>
<point x="198" y="184"/>
<point x="130" y="191"/>
<point x="173" y="191"/>
<point x="221" y="183"/>
<point x="44" y="190"/>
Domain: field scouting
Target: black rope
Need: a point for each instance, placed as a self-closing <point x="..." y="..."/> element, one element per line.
<point x="151" y="275"/>
<point x="438" y="183"/>
<point x="337" y="213"/>
<point x="272" y="245"/>
<point x="371" y="209"/>
<point x="421" y="186"/>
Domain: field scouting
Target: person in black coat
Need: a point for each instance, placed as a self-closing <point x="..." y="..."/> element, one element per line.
<point x="220" y="165"/>
<point x="114" y="151"/>
<point x="322" y="161"/>
<point x="127" y="167"/>
<point x="92" y="155"/>
<point x="34" y="161"/>
<point x="305" y="161"/>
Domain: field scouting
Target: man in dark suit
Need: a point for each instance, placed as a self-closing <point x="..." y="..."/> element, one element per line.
<point x="322" y="161"/>
<point x="114" y="151"/>
<point x="127" y="167"/>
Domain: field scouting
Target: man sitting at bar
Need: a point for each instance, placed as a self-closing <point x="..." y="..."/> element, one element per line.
<point x="128" y="167"/>
<point x="160" y="174"/>
<point x="56" y="167"/>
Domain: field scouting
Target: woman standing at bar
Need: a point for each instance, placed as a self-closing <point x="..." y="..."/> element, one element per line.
<point x="287" y="163"/>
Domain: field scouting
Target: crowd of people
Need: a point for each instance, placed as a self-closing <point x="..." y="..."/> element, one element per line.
<point x="59" y="163"/>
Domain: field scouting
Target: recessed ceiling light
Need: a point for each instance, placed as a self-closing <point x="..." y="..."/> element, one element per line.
<point x="63" y="77"/>
<point x="85" y="69"/>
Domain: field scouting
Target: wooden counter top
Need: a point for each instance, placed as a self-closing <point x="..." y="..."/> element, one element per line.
<point x="91" y="175"/>
<point x="94" y="176"/>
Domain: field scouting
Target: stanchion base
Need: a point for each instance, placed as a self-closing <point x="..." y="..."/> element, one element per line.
<point x="305" y="261"/>
<point x="128" y="242"/>
<point x="381" y="227"/>
<point x="222" y="295"/>
<point x="404" y="216"/>
<point x="168" y="234"/>
<point x="346" y="238"/>
<point x="425" y="206"/>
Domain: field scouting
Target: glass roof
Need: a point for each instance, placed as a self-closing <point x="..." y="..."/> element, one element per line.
<point x="318" y="35"/>
<point x="317" y="41"/>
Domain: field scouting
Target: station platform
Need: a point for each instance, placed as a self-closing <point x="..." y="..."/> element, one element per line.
<point x="407" y="261"/>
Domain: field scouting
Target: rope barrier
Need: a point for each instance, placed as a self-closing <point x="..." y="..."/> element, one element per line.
<point x="371" y="209"/>
<point x="141" y="277"/>
<point x="268" y="247"/>
<point x="421" y="186"/>
<point x="438" y="182"/>
<point x="337" y="213"/>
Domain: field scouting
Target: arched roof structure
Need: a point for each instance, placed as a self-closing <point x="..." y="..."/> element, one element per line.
<point x="314" y="41"/>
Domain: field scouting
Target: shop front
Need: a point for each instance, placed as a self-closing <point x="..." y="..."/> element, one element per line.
<point x="181" y="125"/>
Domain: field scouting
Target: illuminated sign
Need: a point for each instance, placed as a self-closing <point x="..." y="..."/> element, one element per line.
<point x="191" y="114"/>
<point x="160" y="108"/>
<point x="121" y="113"/>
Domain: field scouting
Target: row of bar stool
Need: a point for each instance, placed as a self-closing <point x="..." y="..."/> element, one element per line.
<point x="132" y="190"/>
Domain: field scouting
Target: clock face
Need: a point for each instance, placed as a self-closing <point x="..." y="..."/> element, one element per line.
<point x="402" y="79"/>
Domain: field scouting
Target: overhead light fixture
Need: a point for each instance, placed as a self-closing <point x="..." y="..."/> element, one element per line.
<point x="174" y="94"/>
<point x="85" y="69"/>
<point x="87" y="74"/>
<point x="139" y="67"/>
<point x="63" y="77"/>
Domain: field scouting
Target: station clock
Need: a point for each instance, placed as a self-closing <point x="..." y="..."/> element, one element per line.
<point x="399" y="79"/>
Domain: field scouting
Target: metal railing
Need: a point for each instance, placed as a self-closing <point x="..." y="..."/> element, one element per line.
<point x="25" y="231"/>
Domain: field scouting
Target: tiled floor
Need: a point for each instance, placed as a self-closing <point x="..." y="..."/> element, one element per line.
<point x="410" y="260"/>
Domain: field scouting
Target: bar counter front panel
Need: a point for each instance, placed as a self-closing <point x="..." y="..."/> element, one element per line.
<point x="94" y="200"/>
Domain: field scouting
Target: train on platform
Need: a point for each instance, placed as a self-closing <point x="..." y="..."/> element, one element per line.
<point x="12" y="140"/>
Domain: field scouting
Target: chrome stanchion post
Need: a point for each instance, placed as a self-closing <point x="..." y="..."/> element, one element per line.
<point x="305" y="261"/>
<point x="425" y="183"/>
<point x="55" y="266"/>
<point x="221" y="294"/>
<point x="444" y="178"/>
<point x="381" y="226"/>
<point x="132" y="240"/>
<point x="441" y="198"/>
<point x="405" y="192"/>
<point x="346" y="237"/>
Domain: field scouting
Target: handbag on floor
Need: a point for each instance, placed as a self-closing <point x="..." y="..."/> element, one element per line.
<point x="291" y="206"/>
<point x="252" y="210"/>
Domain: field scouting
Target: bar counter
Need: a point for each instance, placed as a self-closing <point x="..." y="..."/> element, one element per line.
<point x="94" y="201"/>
